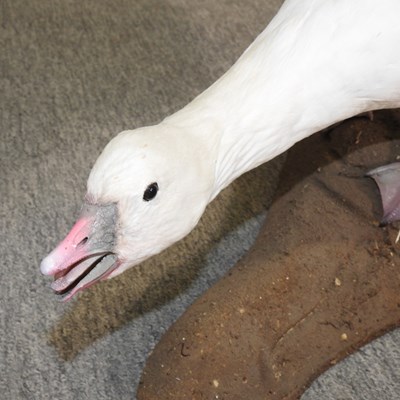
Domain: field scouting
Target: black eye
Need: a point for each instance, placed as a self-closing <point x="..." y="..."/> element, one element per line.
<point x="150" y="192"/>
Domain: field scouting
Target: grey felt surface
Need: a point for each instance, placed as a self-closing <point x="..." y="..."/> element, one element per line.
<point x="72" y="75"/>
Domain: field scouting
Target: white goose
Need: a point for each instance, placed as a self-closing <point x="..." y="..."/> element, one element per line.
<point x="317" y="63"/>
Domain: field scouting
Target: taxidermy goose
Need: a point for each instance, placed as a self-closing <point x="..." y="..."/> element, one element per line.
<point x="318" y="62"/>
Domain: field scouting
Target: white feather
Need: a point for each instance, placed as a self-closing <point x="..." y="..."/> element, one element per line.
<point x="318" y="62"/>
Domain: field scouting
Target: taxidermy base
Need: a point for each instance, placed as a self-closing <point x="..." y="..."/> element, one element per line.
<point x="321" y="280"/>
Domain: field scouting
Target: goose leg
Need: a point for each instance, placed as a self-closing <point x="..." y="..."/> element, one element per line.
<point x="388" y="181"/>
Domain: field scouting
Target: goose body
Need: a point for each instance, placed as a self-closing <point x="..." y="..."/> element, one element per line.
<point x="317" y="63"/>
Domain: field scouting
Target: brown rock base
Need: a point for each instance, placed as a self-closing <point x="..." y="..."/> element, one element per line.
<point x="321" y="280"/>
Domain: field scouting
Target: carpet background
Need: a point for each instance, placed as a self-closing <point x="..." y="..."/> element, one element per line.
<point x="72" y="75"/>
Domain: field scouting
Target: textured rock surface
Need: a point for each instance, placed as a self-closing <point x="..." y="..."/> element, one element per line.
<point x="321" y="280"/>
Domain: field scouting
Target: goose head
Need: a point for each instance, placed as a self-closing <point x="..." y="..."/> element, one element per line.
<point x="147" y="190"/>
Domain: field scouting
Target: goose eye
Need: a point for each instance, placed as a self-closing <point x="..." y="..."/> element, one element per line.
<point x="150" y="192"/>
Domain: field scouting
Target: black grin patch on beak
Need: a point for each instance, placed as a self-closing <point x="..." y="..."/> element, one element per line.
<point x="87" y="254"/>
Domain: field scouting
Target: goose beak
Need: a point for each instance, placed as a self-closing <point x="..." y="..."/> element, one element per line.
<point x="86" y="255"/>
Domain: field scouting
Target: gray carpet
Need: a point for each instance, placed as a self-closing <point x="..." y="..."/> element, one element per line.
<point x="72" y="75"/>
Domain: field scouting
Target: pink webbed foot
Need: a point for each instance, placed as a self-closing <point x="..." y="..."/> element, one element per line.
<point x="388" y="181"/>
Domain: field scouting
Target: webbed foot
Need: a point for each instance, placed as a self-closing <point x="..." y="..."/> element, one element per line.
<point x="388" y="181"/>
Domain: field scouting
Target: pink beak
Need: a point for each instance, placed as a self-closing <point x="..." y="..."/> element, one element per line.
<point x="86" y="255"/>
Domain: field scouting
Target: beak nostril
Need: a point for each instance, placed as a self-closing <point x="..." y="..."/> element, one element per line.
<point x="83" y="241"/>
